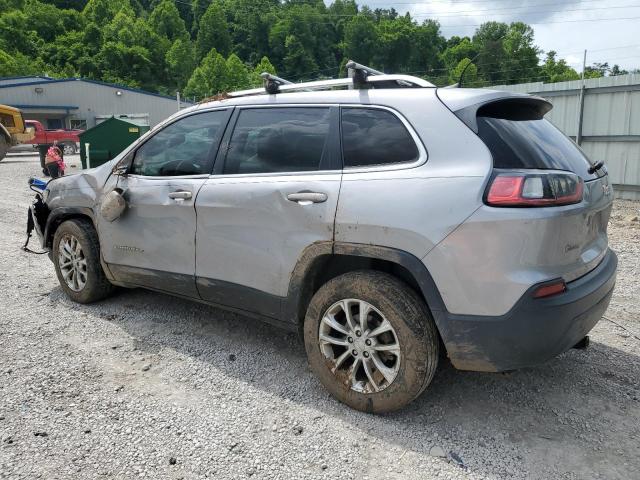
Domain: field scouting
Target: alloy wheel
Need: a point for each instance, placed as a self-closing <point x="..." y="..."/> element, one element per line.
<point x="72" y="263"/>
<point x="360" y="345"/>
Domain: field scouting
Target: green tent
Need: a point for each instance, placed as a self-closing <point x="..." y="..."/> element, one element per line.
<point x="107" y="139"/>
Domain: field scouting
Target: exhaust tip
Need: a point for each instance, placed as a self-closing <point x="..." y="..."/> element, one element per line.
<point x="582" y="344"/>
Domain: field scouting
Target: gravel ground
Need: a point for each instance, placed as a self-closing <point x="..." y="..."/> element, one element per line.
<point x="146" y="385"/>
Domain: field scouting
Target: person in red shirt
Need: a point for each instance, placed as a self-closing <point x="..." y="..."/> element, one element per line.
<point x="54" y="162"/>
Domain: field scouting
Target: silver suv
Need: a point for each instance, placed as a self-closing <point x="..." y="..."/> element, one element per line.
<point x="390" y="223"/>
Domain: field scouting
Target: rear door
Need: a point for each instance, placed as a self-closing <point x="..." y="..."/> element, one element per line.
<point x="153" y="243"/>
<point x="273" y="193"/>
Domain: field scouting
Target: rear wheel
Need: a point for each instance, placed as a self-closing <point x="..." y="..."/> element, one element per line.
<point x="76" y="256"/>
<point x="371" y="341"/>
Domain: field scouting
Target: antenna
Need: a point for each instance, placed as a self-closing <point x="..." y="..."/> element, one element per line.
<point x="464" y="70"/>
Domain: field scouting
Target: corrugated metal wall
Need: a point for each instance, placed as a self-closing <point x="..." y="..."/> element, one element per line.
<point x="611" y="122"/>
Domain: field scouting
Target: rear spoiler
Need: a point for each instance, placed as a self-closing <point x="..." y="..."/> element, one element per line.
<point x="497" y="105"/>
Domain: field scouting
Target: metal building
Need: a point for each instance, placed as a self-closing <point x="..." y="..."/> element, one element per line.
<point x="610" y="122"/>
<point x="82" y="103"/>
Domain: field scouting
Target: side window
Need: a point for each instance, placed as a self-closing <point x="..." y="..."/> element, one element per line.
<point x="371" y="136"/>
<point x="272" y="140"/>
<point x="185" y="147"/>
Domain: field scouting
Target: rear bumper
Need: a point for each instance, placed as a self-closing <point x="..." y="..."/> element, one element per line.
<point x="534" y="330"/>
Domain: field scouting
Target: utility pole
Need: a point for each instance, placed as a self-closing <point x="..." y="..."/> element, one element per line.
<point x="581" y="101"/>
<point x="178" y="100"/>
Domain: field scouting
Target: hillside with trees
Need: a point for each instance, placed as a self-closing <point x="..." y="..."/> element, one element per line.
<point x="202" y="47"/>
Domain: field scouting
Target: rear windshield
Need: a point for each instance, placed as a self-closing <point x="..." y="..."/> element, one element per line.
<point x="522" y="143"/>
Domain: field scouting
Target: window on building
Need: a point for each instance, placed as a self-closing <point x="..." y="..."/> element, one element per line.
<point x="78" y="124"/>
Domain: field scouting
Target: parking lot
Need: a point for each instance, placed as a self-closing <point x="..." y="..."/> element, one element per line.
<point x="146" y="385"/>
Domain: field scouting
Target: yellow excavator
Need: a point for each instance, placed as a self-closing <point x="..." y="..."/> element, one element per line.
<point x="12" y="129"/>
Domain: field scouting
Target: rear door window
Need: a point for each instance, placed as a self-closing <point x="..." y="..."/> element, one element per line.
<point x="517" y="143"/>
<point x="372" y="136"/>
<point x="279" y="140"/>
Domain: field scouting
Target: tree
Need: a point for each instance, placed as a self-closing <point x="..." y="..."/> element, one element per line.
<point x="616" y="70"/>
<point x="213" y="32"/>
<point x="237" y="74"/>
<point x="428" y="43"/>
<point x="198" y="7"/>
<point x="394" y="42"/>
<point x="165" y="20"/>
<point x="210" y="78"/>
<point x="488" y="41"/>
<point x="180" y="60"/>
<point x="360" y="38"/>
<point x="521" y="55"/>
<point x="298" y="61"/>
<point x="596" y="70"/>
<point x="457" y="50"/>
<point x="470" y="71"/>
<point x="102" y="11"/>
<point x="263" y="66"/>
<point x="557" y="70"/>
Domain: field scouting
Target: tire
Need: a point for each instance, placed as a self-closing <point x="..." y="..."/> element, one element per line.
<point x="413" y="335"/>
<point x="68" y="148"/>
<point x="4" y="147"/>
<point x="87" y="262"/>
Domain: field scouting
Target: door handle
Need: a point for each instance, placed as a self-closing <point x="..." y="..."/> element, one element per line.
<point x="307" y="198"/>
<point x="181" y="195"/>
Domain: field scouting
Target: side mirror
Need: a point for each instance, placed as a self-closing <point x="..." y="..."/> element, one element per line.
<point x="122" y="167"/>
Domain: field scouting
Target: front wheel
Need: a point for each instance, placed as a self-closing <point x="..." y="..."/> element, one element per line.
<point x="76" y="256"/>
<point x="371" y="341"/>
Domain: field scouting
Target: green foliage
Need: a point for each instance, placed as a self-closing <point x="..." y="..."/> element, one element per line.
<point x="216" y="75"/>
<point x="181" y="61"/>
<point x="203" y="47"/>
<point x="263" y="66"/>
<point x="557" y="70"/>
<point x="165" y="20"/>
<point x="360" y="38"/>
<point x="470" y="78"/>
<point x="213" y="32"/>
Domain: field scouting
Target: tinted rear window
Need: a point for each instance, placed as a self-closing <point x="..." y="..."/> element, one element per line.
<point x="537" y="144"/>
<point x="375" y="137"/>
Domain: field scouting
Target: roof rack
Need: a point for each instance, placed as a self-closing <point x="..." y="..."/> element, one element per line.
<point x="360" y="76"/>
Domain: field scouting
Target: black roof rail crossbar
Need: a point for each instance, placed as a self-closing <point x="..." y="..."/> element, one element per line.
<point x="272" y="83"/>
<point x="359" y="73"/>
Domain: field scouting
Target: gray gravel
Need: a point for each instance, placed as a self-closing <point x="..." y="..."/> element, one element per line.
<point x="145" y="385"/>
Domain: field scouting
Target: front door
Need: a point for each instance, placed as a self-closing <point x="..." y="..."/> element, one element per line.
<point x="153" y="243"/>
<point x="274" y="192"/>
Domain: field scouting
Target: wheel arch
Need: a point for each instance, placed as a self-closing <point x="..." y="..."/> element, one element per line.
<point x="62" y="214"/>
<point x="323" y="261"/>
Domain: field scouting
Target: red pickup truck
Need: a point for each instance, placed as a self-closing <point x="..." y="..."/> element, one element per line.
<point x="67" y="139"/>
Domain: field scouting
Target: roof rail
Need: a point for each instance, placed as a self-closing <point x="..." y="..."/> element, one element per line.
<point x="360" y="76"/>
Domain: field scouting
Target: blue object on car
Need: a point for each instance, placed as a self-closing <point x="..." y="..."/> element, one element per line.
<point x="38" y="183"/>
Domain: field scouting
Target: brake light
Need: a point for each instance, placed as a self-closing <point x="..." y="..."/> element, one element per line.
<point x="550" y="289"/>
<point x="539" y="189"/>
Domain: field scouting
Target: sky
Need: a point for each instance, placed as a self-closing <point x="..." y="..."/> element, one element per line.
<point x="566" y="26"/>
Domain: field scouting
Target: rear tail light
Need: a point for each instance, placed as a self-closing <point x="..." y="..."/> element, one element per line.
<point x="550" y="289"/>
<point x="539" y="189"/>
